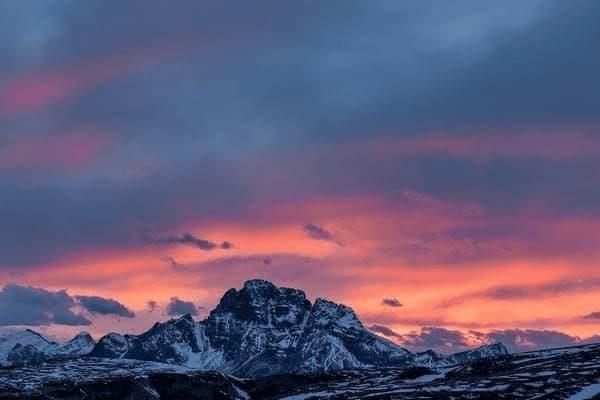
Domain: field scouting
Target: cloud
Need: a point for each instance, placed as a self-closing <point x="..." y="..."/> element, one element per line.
<point x="171" y="262"/>
<point x="516" y="292"/>
<point x="151" y="304"/>
<point x="190" y="240"/>
<point x="517" y="340"/>
<point x="439" y="339"/>
<point x="385" y="331"/>
<point x="319" y="233"/>
<point x="102" y="306"/>
<point x="516" y="144"/>
<point x="26" y="305"/>
<point x="64" y="151"/>
<point x="592" y="315"/>
<point x="180" y="307"/>
<point x="38" y="89"/>
<point x="393" y="302"/>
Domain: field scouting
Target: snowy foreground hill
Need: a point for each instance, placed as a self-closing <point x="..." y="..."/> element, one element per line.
<point x="569" y="373"/>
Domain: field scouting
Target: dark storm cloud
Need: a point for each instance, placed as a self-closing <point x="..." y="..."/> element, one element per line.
<point x="25" y="305"/>
<point x="101" y="306"/>
<point x="385" y="331"/>
<point x="212" y="85"/>
<point x="190" y="240"/>
<point x="180" y="307"/>
<point x="393" y="302"/>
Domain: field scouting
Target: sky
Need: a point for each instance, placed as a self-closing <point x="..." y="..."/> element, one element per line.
<point x="434" y="165"/>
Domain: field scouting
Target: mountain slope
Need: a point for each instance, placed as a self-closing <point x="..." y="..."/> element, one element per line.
<point x="432" y="359"/>
<point x="29" y="347"/>
<point x="22" y="339"/>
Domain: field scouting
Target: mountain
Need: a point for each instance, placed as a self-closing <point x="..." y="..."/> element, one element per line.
<point x="29" y="347"/>
<point x="432" y="359"/>
<point x="261" y="330"/>
<point x="23" y="343"/>
<point x="258" y="330"/>
<point x="113" y="345"/>
<point x="80" y="345"/>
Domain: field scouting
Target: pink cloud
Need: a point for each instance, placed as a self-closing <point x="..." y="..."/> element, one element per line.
<point x="558" y="144"/>
<point x="55" y="151"/>
<point x="37" y="89"/>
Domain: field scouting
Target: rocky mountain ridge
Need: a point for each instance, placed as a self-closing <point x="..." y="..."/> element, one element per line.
<point x="257" y="330"/>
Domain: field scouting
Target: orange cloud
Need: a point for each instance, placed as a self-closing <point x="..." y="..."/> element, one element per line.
<point x="388" y="252"/>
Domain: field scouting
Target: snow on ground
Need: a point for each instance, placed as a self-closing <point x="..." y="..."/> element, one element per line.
<point x="587" y="392"/>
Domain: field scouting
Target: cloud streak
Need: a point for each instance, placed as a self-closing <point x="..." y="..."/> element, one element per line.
<point x="190" y="240"/>
<point x="518" y="292"/>
<point x="392" y="302"/>
<point x="177" y="307"/>
<point x="102" y="306"/>
<point x="385" y="331"/>
<point x="317" y="232"/>
<point x="67" y="151"/>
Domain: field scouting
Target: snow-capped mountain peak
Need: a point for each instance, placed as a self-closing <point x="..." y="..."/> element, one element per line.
<point x="30" y="347"/>
<point x="260" y="329"/>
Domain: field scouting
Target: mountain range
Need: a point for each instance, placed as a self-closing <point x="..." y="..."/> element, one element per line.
<point x="256" y="331"/>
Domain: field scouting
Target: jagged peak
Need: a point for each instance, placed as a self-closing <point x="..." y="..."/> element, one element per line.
<point x="187" y="317"/>
<point x="31" y="331"/>
<point x="259" y="290"/>
<point x="114" y="336"/>
<point x="328" y="305"/>
<point x="261" y="286"/>
<point x="326" y="311"/>
<point x="258" y="283"/>
<point x="497" y="347"/>
<point x="184" y="320"/>
<point x="82" y="335"/>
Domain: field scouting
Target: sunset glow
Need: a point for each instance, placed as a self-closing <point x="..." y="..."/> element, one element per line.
<point x="355" y="158"/>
